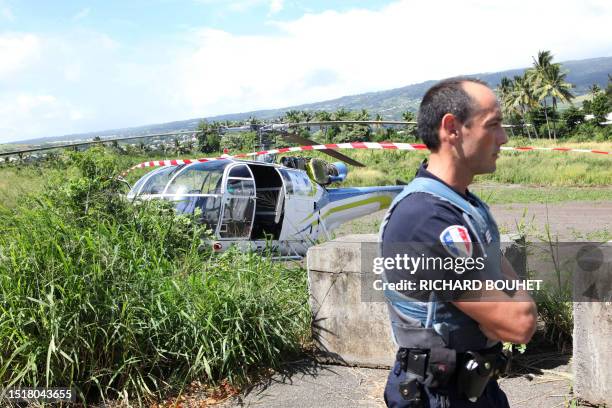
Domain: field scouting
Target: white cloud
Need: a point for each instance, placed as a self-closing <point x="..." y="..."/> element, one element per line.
<point x="81" y="14"/>
<point x="364" y="50"/>
<point x="84" y="81"/>
<point x="54" y="84"/>
<point x="276" y="6"/>
<point x="5" y="12"/>
<point x="240" y="6"/>
<point x="24" y="115"/>
<point x="17" y="51"/>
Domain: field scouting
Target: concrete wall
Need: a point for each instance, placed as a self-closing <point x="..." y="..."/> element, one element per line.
<point x="592" y="360"/>
<point x="346" y="329"/>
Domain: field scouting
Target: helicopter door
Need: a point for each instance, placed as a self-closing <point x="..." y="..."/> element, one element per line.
<point x="299" y="199"/>
<point x="238" y="203"/>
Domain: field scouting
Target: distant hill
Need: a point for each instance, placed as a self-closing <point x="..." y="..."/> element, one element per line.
<point x="390" y="103"/>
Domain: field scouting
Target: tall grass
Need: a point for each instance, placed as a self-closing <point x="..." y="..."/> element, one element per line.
<point x="531" y="168"/>
<point x="116" y="299"/>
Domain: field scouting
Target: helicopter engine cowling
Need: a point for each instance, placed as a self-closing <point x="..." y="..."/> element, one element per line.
<point x="338" y="172"/>
<point x="318" y="170"/>
<point x="325" y="173"/>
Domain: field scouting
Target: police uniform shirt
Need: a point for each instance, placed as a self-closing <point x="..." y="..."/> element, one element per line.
<point x="424" y="226"/>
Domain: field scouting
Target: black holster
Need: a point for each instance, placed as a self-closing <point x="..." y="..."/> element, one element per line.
<point x="477" y="369"/>
<point x="431" y="368"/>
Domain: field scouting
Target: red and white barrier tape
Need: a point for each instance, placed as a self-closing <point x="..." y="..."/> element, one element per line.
<point x="553" y="149"/>
<point x="336" y="146"/>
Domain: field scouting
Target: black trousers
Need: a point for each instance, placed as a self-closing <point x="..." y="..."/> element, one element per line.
<point x="492" y="396"/>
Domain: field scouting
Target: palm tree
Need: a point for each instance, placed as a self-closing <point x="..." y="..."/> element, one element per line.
<point x="549" y="82"/>
<point x="411" y="129"/>
<point x="324" y="116"/>
<point x="306" y="116"/>
<point x="559" y="89"/>
<point x="341" y="114"/>
<point x="378" y="118"/>
<point x="177" y="146"/>
<point x="522" y="98"/>
<point x="536" y="78"/>
<point x="360" y="132"/>
<point x="408" y="116"/>
<point x="363" y="114"/>
<point x="504" y="90"/>
<point x="594" y="90"/>
<point x="292" y="116"/>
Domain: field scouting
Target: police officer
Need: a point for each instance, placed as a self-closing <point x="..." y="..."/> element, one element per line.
<point x="449" y="348"/>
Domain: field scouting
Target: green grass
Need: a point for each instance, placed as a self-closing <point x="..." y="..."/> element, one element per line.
<point x="20" y="180"/>
<point x="117" y="300"/>
<point x="552" y="169"/>
<point x="543" y="176"/>
<point x="531" y="168"/>
<point x="504" y="195"/>
<point x="9" y="147"/>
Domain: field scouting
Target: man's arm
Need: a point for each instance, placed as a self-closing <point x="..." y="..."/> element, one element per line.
<point x="510" y="319"/>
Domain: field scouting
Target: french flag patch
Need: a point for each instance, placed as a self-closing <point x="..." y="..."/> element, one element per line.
<point x="456" y="240"/>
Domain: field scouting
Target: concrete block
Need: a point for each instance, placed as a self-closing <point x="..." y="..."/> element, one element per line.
<point x="593" y="337"/>
<point x="345" y="329"/>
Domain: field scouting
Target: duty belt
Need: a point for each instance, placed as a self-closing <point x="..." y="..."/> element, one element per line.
<point x="436" y="368"/>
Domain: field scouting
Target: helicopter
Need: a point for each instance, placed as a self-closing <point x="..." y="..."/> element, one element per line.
<point x="258" y="204"/>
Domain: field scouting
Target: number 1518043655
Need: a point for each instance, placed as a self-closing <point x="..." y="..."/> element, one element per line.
<point x="27" y="394"/>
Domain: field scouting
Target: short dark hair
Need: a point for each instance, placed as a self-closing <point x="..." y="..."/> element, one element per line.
<point x="447" y="96"/>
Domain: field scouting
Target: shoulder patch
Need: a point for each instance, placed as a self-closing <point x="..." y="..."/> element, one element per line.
<point x="457" y="242"/>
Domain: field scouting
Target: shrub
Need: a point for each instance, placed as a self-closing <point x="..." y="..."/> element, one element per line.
<point x="110" y="297"/>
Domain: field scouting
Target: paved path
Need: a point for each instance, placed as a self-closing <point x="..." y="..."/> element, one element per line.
<point x="307" y="384"/>
<point x="570" y="220"/>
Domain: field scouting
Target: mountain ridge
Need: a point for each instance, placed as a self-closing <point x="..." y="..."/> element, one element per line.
<point x="389" y="103"/>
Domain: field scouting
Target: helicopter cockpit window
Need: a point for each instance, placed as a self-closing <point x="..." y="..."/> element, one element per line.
<point x="240" y="187"/>
<point x="134" y="190"/>
<point x="240" y="171"/>
<point x="287" y="179"/>
<point x="201" y="178"/>
<point x="239" y="207"/>
<point x="156" y="183"/>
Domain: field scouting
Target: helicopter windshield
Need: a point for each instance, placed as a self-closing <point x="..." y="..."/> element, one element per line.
<point x="154" y="182"/>
<point x="199" y="187"/>
<point x="200" y="178"/>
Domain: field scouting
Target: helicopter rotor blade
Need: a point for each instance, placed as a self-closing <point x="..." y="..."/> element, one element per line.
<point x="293" y="138"/>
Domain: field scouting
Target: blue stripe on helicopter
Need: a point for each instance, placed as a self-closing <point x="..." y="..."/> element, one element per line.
<point x="337" y="194"/>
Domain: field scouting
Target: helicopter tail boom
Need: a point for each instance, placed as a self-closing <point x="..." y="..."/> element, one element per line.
<point x="346" y="204"/>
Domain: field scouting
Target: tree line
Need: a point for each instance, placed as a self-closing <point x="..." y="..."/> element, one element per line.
<point x="212" y="139"/>
<point x="530" y="102"/>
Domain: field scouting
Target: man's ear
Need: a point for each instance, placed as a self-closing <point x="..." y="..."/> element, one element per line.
<point x="449" y="128"/>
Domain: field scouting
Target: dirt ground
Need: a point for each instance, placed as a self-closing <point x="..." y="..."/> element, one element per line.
<point x="569" y="221"/>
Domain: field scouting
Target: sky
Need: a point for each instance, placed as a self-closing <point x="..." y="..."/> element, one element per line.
<point x="80" y="66"/>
